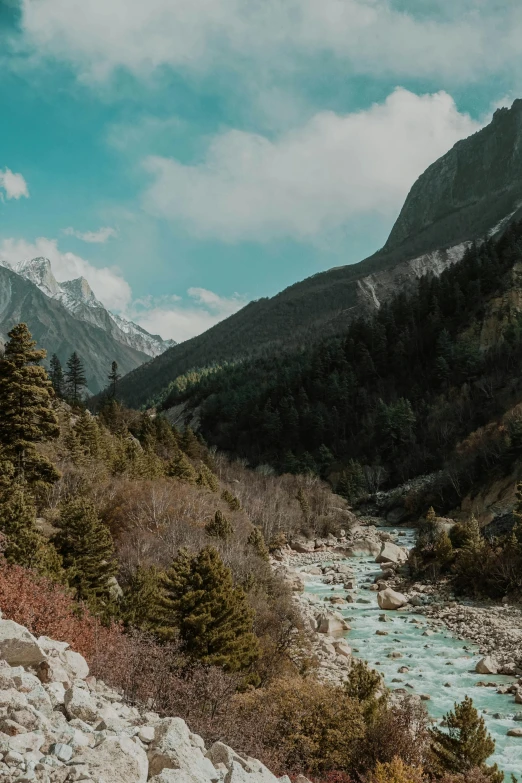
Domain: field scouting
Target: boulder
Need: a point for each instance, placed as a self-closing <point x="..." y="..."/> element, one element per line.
<point x="331" y="624"/>
<point x="17" y="646"/>
<point x="302" y="545"/>
<point x="514" y="733"/>
<point x="80" y="704"/>
<point x="115" y="760"/>
<point x="174" y="748"/>
<point x="76" y="664"/>
<point x="391" y="553"/>
<point x="343" y="648"/>
<point x="390" y="599"/>
<point x="487" y="665"/>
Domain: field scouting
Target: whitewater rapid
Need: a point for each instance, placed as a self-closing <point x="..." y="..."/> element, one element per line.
<point x="440" y="665"/>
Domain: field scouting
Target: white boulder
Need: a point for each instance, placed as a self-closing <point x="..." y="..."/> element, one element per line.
<point x="174" y="748"/>
<point x="391" y="553"/>
<point x="487" y="665"/>
<point x="17" y="646"/>
<point x="115" y="760"/>
<point x="390" y="599"/>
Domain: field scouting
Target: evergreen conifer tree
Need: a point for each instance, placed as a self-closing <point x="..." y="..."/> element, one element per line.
<point x="56" y="376"/>
<point x="113" y="379"/>
<point x="466" y="743"/>
<point x="219" y="527"/>
<point x="233" y="502"/>
<point x="181" y="468"/>
<point x="212" y="615"/>
<point x="141" y="601"/>
<point x="25" y="545"/>
<point x="26" y="413"/>
<point x="207" y="479"/>
<point x="75" y="380"/>
<point x="87" y="550"/>
<point x="256" y="540"/>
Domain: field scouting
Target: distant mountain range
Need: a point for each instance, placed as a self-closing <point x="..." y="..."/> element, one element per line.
<point x="472" y="191"/>
<point x="66" y="317"/>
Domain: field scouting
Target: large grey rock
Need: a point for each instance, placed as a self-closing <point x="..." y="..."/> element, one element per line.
<point x="76" y="664"/>
<point x="18" y="646"/>
<point x="80" y="704"/>
<point x="174" y="747"/>
<point x="115" y="760"/>
<point x="390" y="599"/>
<point x="487" y="665"/>
<point x="331" y="624"/>
<point x="391" y="553"/>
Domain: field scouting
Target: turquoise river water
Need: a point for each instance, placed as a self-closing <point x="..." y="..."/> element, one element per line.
<point x="440" y="665"/>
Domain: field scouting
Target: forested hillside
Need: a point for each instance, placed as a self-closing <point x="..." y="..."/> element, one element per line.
<point x="392" y="397"/>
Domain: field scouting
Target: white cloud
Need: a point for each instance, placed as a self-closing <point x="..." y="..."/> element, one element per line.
<point x="311" y="180"/>
<point x="455" y="40"/>
<point x="172" y="318"/>
<point x="107" y="283"/>
<point x="100" y="236"/>
<point x="13" y="185"/>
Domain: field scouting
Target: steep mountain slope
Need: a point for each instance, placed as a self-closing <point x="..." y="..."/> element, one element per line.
<point x="56" y="330"/>
<point x="474" y="189"/>
<point x="79" y="299"/>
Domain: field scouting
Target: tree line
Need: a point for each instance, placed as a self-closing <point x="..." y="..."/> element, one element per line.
<point x="71" y="384"/>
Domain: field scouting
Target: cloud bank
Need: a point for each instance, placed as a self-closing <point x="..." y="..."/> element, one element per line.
<point x="13" y="185"/>
<point x="311" y="180"/>
<point x="101" y="236"/>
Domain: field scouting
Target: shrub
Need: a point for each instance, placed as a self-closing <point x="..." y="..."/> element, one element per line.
<point x="396" y="771"/>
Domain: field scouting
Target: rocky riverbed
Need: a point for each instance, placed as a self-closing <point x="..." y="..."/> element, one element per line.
<point x="429" y="645"/>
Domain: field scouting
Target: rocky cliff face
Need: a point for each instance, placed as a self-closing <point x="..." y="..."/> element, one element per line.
<point x="470" y="191"/>
<point x="58" y="725"/>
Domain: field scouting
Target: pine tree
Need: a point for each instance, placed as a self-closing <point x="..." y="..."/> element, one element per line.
<point x="25" y="545"/>
<point x="142" y="597"/>
<point x="256" y="540"/>
<point x="26" y="413"/>
<point x="56" y="376"/>
<point x="75" y="380"/>
<point x="207" y="479"/>
<point x="113" y="379"/>
<point x="181" y="468"/>
<point x="465" y="744"/>
<point x="86" y="437"/>
<point x="219" y="527"/>
<point x="212" y="615"/>
<point x="233" y="502"/>
<point x="87" y="549"/>
<point x="304" y="505"/>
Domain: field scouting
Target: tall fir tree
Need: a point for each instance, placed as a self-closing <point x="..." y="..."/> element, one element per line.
<point x="207" y="479"/>
<point x="211" y="614"/>
<point x="26" y="413"/>
<point x="75" y="380"/>
<point x="113" y="379"/>
<point x="56" y="375"/>
<point x="181" y="468"/>
<point x="87" y="550"/>
<point x="140" y="607"/>
<point x="465" y="745"/>
<point x="256" y="540"/>
<point x="219" y="527"/>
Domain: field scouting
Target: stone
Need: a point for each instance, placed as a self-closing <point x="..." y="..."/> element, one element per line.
<point x="487" y="665"/>
<point x="343" y="648"/>
<point x="391" y="553"/>
<point x="18" y="646"/>
<point x="51" y="670"/>
<point x="173" y="748"/>
<point x="62" y="752"/>
<point x="390" y="599"/>
<point x="146" y="734"/>
<point x="80" y="704"/>
<point x="115" y="760"/>
<point x="56" y="693"/>
<point x="514" y="733"/>
<point x="76" y="664"/>
<point x="331" y="624"/>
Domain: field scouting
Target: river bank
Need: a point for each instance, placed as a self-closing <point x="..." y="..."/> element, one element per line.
<point x="430" y="647"/>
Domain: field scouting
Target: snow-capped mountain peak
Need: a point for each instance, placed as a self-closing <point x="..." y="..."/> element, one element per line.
<point x="80" y="300"/>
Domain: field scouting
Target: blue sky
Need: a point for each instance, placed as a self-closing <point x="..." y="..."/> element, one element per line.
<point x="187" y="156"/>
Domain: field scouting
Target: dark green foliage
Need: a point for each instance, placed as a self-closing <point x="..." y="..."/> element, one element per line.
<point x="75" y="380"/>
<point x="24" y="544"/>
<point x="140" y="607"/>
<point x="181" y="468"/>
<point x="465" y="744"/>
<point x="395" y="391"/>
<point x="87" y="550"/>
<point x="113" y="379"/>
<point x="363" y="682"/>
<point x="257" y="541"/>
<point x="207" y="479"/>
<point x="219" y="527"/>
<point x="26" y="413"/>
<point x="56" y="375"/>
<point x="352" y="483"/>
<point x="233" y="502"/>
<point x="211" y="615"/>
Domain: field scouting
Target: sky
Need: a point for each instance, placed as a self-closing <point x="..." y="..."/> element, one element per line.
<point x="188" y="156"/>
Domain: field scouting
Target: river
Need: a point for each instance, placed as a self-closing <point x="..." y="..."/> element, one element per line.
<point x="440" y="665"/>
